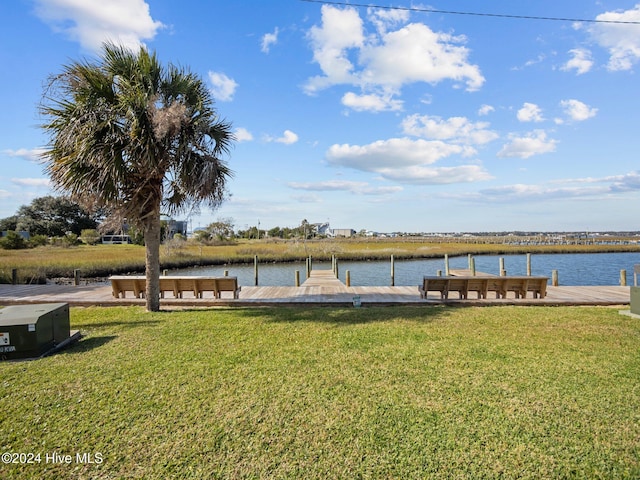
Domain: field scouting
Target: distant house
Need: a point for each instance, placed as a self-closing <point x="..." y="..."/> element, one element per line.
<point x="176" y="226"/>
<point x="321" y="228"/>
<point x="343" y="232"/>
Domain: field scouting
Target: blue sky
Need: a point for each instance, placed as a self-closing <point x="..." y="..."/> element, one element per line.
<point x="379" y="119"/>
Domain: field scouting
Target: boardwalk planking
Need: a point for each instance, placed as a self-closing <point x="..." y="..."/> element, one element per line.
<point x="334" y="294"/>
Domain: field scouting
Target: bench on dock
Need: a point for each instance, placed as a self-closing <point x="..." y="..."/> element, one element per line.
<point x="217" y="285"/>
<point x="520" y="286"/>
<point x="120" y="284"/>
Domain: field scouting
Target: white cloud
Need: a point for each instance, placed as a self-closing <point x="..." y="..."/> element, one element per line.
<point x="581" y="61"/>
<point x="288" y="138"/>
<point x="386" y="60"/>
<point x="309" y="198"/>
<point x="222" y="87"/>
<point x="455" y="129"/>
<point x="530" y="112"/>
<point x="361" y="188"/>
<point x="423" y="175"/>
<point x="485" y="110"/>
<point x="622" y="41"/>
<point x="31" y="182"/>
<point x="4" y="194"/>
<point x="528" y="193"/>
<point x="33" y="155"/>
<point x="341" y="30"/>
<point x="371" y="102"/>
<point x="563" y="188"/>
<point x="406" y="161"/>
<point x="384" y="19"/>
<point x="416" y="53"/>
<point x="535" y="143"/>
<point x="243" y="135"/>
<point x="579" y="188"/>
<point x="269" y="39"/>
<point x="395" y="152"/>
<point x="578" y="111"/>
<point x="623" y="183"/>
<point x="125" y="22"/>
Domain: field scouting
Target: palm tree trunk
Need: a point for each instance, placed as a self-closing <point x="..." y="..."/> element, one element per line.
<point x="152" y="262"/>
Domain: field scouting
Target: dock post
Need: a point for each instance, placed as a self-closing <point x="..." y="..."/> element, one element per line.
<point x="528" y="264"/>
<point x="225" y="273"/>
<point x="76" y="277"/>
<point x="297" y="275"/>
<point x="14" y="276"/>
<point x="255" y="269"/>
<point x="439" y="273"/>
<point x="308" y="267"/>
<point x="469" y="257"/>
<point x="503" y="272"/>
<point x="446" y="264"/>
<point x="393" y="272"/>
<point x="554" y="278"/>
<point x="623" y="278"/>
<point x="347" y="279"/>
<point x="472" y="266"/>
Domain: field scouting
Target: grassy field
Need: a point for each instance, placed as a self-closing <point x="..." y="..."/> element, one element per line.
<point x="102" y="260"/>
<point x="321" y="393"/>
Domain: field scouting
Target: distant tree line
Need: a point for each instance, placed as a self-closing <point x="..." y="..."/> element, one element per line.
<point x="48" y="219"/>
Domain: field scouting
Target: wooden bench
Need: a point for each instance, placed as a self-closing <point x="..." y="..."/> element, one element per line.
<point x="461" y="285"/>
<point x="227" y="284"/>
<point x="176" y="285"/>
<point x="205" y="284"/>
<point x="121" y="284"/>
<point x="537" y="286"/>
<point x="434" y="284"/>
<point x="520" y="286"/>
<point x="216" y="285"/>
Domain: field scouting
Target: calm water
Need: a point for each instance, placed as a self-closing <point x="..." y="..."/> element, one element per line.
<point x="573" y="269"/>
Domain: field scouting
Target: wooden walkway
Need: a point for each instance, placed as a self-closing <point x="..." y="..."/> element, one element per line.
<point x="323" y="278"/>
<point x="315" y="291"/>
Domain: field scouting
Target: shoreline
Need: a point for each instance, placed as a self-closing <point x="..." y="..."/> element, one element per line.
<point x="45" y="264"/>
<point x="325" y="262"/>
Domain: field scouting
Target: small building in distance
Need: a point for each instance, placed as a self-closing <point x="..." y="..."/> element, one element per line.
<point x="343" y="232"/>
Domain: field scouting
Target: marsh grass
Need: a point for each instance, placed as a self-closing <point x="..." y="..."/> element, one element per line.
<point x="316" y="393"/>
<point x="41" y="263"/>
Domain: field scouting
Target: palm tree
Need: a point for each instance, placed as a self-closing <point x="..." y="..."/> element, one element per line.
<point x="138" y="139"/>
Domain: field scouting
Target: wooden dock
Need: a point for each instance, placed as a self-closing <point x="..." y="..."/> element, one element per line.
<point x="317" y="290"/>
<point x="323" y="278"/>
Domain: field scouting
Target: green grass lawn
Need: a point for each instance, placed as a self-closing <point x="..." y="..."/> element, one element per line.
<point x="316" y="393"/>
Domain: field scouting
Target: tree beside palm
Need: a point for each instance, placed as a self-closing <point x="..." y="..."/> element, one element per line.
<point x="136" y="138"/>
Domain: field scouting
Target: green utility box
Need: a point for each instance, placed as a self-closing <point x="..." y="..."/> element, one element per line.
<point x="30" y="331"/>
<point x="635" y="300"/>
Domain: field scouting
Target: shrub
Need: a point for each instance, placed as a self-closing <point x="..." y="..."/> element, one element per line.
<point x="13" y="241"/>
<point x="38" y="241"/>
<point x="90" y="236"/>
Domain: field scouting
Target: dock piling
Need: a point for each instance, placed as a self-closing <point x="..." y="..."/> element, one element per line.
<point x="393" y="272"/>
<point x="255" y="269"/>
